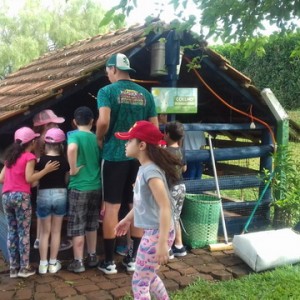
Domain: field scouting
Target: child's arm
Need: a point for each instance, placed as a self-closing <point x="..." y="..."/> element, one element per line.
<point x="184" y="168"/>
<point x="2" y="175"/>
<point x="72" y="158"/>
<point x="32" y="176"/>
<point x="35" y="184"/>
<point x="102" y="124"/>
<point x="161" y="197"/>
<point x="124" y="225"/>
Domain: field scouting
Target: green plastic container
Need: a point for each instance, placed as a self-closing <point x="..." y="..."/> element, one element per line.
<point x="200" y="218"/>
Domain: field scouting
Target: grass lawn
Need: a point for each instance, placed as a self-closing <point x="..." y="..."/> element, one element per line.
<point x="281" y="283"/>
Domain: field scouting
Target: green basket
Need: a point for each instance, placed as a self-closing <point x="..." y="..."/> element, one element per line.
<point x="200" y="218"/>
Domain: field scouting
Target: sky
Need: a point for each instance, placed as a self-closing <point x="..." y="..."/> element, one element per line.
<point x="144" y="8"/>
<point x="138" y="15"/>
<point x="153" y="7"/>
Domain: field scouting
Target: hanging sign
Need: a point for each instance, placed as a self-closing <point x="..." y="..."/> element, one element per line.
<point x="172" y="100"/>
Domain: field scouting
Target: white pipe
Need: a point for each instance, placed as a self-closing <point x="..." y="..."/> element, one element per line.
<point x="217" y="188"/>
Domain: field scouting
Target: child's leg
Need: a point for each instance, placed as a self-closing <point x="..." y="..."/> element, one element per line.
<point x="178" y="235"/>
<point x="56" y="225"/>
<point x="38" y="233"/>
<point x="58" y="209"/>
<point x="78" y="245"/>
<point x="23" y="216"/>
<point x="12" y="237"/>
<point x="145" y="279"/>
<point x="91" y="218"/>
<point x="178" y="193"/>
<point x="45" y="229"/>
<point x="91" y="241"/>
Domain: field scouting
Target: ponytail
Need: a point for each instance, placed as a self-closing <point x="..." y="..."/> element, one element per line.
<point x="167" y="161"/>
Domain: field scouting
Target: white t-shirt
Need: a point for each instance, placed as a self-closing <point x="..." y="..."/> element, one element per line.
<point x="194" y="140"/>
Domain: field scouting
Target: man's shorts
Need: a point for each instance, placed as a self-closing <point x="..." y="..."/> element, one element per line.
<point x="118" y="178"/>
<point x="83" y="212"/>
<point x="51" y="202"/>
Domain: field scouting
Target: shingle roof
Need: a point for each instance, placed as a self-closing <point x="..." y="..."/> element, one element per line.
<point x="46" y="76"/>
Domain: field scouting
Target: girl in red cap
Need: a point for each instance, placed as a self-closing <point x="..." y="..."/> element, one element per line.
<point x="17" y="176"/>
<point x="152" y="207"/>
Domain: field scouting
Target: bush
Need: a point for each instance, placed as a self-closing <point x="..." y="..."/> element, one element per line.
<point x="278" y="69"/>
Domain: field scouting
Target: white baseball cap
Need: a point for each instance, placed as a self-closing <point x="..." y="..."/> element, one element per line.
<point x="120" y="61"/>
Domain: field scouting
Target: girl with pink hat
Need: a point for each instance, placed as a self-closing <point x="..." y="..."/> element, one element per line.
<point x="52" y="200"/>
<point x="17" y="176"/>
<point x="42" y="121"/>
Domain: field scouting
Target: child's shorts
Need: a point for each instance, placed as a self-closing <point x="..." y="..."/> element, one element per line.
<point x="83" y="212"/>
<point x="51" y="202"/>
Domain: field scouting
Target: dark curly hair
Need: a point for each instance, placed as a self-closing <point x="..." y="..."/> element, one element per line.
<point x="13" y="152"/>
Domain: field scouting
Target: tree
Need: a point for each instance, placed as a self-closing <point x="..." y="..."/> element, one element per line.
<point x="38" y="27"/>
<point x="229" y="20"/>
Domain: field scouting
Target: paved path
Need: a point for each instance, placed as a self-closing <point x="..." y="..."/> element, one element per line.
<point x="93" y="284"/>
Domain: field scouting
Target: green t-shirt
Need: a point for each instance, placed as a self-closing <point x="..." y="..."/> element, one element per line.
<point x="88" y="155"/>
<point x="129" y="102"/>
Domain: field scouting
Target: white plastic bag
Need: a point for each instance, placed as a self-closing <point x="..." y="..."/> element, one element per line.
<point x="268" y="249"/>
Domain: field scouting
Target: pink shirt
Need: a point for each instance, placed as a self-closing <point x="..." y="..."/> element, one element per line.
<point x="14" y="177"/>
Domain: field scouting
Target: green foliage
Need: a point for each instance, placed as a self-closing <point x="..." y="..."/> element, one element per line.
<point x="278" y="69"/>
<point x="286" y="187"/>
<point x="36" y="29"/>
<point x="230" y="20"/>
<point x="234" y="20"/>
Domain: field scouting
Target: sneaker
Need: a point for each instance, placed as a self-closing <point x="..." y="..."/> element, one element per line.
<point x="13" y="273"/>
<point x="108" y="267"/>
<point x="92" y="260"/>
<point x="122" y="250"/>
<point x="171" y="254"/>
<point x="76" y="266"/>
<point x="55" y="268"/>
<point x="65" y="245"/>
<point x="179" y="251"/>
<point x="43" y="269"/>
<point x="129" y="263"/>
<point x="26" y="272"/>
<point x="36" y="244"/>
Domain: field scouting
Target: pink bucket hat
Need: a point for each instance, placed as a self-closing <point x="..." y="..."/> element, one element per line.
<point x="45" y="117"/>
<point x="54" y="135"/>
<point x="25" y="135"/>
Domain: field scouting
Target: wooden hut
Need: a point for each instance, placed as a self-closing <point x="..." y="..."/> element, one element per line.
<point x="245" y="123"/>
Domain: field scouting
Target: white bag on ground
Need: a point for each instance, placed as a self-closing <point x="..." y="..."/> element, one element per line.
<point x="268" y="249"/>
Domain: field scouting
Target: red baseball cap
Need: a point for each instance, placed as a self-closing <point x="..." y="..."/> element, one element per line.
<point x="144" y="131"/>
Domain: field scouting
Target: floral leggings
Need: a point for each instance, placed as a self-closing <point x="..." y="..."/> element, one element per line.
<point x="145" y="280"/>
<point x="17" y="208"/>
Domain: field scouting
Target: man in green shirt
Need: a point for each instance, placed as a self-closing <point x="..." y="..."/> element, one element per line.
<point x="120" y="104"/>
